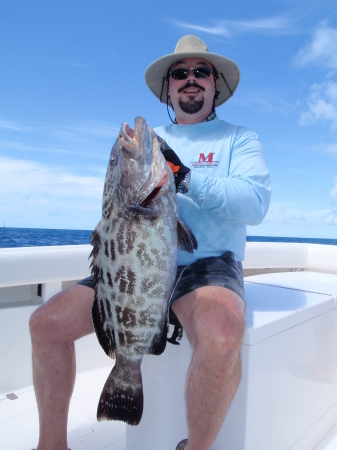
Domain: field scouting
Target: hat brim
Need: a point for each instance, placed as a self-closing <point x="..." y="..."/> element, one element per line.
<point x="228" y="71"/>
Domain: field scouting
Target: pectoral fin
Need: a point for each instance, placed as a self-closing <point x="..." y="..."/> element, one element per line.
<point x="146" y="212"/>
<point x="186" y="238"/>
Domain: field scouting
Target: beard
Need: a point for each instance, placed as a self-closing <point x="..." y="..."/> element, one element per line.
<point x="191" y="106"/>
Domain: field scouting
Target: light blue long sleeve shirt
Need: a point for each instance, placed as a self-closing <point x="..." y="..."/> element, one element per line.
<point x="230" y="184"/>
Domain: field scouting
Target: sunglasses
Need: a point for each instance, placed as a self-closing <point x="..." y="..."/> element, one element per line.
<point x="182" y="73"/>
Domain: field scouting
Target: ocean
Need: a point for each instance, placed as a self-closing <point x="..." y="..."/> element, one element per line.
<point x="37" y="237"/>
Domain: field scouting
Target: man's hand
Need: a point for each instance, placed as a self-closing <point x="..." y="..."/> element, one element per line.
<point x="174" y="162"/>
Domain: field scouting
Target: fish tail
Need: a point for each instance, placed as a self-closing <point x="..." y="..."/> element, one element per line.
<point x="121" y="400"/>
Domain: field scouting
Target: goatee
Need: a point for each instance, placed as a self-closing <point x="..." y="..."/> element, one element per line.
<point x="191" y="106"/>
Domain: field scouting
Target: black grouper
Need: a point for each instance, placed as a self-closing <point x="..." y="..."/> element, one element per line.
<point x="134" y="263"/>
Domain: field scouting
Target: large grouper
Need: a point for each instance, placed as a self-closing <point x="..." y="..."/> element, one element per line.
<point x="134" y="265"/>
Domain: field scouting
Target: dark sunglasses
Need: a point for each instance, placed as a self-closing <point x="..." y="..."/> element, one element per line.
<point x="182" y="73"/>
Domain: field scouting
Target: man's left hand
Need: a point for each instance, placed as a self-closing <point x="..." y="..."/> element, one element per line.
<point x="174" y="162"/>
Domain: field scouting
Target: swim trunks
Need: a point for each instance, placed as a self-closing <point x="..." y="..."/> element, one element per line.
<point x="211" y="271"/>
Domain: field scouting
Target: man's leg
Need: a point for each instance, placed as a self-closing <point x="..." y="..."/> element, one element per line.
<point x="54" y="327"/>
<point x="214" y="321"/>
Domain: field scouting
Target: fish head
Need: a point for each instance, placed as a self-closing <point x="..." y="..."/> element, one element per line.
<point x="137" y="168"/>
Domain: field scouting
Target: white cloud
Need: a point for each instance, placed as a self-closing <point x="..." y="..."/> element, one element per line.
<point x="334" y="193"/>
<point x="91" y="139"/>
<point x="62" y="190"/>
<point x="227" y="28"/>
<point x="21" y="177"/>
<point x="328" y="149"/>
<point x="282" y="215"/>
<point x="322" y="50"/>
<point x="10" y="125"/>
<point x="291" y="216"/>
<point x="322" y="104"/>
<point x="33" y="194"/>
<point x="332" y="217"/>
<point x="218" y="29"/>
<point x="265" y="101"/>
<point x="269" y="25"/>
<point x="296" y="217"/>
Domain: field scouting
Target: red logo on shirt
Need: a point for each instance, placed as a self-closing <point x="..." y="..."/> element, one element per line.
<point x="205" y="161"/>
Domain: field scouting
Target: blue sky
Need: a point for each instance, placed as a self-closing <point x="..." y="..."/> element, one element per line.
<point x="72" y="71"/>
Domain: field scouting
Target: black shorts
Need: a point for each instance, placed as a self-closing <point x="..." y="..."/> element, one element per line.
<point x="212" y="271"/>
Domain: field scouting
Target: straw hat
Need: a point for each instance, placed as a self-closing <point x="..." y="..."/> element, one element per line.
<point x="192" y="47"/>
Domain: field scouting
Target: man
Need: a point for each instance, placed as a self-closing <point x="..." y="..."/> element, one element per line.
<point x="223" y="184"/>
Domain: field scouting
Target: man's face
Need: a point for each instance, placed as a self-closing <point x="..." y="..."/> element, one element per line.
<point x="192" y="98"/>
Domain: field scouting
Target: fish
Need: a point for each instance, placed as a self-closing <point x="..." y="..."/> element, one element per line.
<point x="134" y="265"/>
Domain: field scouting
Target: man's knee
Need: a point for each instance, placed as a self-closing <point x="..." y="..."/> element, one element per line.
<point x="219" y="343"/>
<point x="219" y="324"/>
<point x="43" y="322"/>
<point x="220" y="337"/>
<point x="65" y="317"/>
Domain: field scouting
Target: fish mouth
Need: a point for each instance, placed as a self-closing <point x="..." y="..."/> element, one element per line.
<point x="150" y="149"/>
<point x="141" y="142"/>
<point x="129" y="140"/>
<point x="133" y="141"/>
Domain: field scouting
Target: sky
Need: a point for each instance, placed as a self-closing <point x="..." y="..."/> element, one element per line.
<point x="72" y="71"/>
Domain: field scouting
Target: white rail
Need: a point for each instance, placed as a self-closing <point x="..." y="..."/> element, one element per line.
<point x="55" y="264"/>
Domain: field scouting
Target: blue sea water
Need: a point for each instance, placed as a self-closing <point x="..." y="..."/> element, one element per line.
<point x="36" y="237"/>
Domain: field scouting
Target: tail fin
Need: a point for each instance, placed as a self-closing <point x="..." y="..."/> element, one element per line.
<point x="121" y="399"/>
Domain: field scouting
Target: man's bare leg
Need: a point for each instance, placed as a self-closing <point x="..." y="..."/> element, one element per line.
<point x="214" y="321"/>
<point x="54" y="327"/>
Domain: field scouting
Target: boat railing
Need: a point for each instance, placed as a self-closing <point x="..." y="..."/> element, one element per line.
<point x="34" y="274"/>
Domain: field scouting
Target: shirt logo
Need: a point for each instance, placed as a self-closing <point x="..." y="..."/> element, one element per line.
<point x="205" y="161"/>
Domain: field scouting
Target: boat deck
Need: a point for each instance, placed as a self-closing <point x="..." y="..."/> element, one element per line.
<point x="19" y="419"/>
<point x="20" y="425"/>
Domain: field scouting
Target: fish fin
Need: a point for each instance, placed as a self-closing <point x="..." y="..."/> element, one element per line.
<point x="121" y="399"/>
<point x="186" y="239"/>
<point x="148" y="213"/>
<point x="95" y="242"/>
<point x="159" y="341"/>
<point x="106" y="339"/>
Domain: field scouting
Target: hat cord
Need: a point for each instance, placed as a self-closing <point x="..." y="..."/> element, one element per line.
<point x="167" y="102"/>
<point x="230" y="91"/>
<point x="162" y="88"/>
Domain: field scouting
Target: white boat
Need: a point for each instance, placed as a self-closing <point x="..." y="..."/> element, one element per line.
<point x="287" y="398"/>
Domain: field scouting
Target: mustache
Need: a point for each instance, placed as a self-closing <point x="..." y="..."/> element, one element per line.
<point x="189" y="85"/>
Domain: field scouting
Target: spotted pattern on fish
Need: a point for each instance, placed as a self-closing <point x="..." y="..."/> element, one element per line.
<point x="126" y="279"/>
<point x="134" y="262"/>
